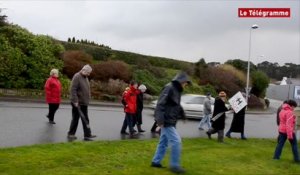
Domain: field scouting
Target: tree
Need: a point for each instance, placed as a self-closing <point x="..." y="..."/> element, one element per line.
<point x="241" y="65"/>
<point x="3" y="21"/>
<point x="260" y="82"/>
<point x="201" y="70"/>
<point x="26" y="59"/>
<point x="69" y="40"/>
<point x="73" y="40"/>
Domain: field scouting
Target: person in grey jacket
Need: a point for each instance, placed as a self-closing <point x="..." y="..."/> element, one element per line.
<point x="80" y="97"/>
<point x="167" y="111"/>
<point x="207" y="112"/>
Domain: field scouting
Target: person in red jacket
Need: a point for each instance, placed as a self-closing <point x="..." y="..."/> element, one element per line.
<point x="130" y="108"/>
<point x="287" y="122"/>
<point x="53" y="92"/>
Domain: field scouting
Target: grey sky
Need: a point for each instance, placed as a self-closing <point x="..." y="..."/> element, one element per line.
<point x="185" y="30"/>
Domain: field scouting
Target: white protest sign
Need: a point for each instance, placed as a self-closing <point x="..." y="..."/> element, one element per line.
<point x="237" y="102"/>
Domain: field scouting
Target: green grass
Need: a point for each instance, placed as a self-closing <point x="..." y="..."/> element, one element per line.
<point x="133" y="157"/>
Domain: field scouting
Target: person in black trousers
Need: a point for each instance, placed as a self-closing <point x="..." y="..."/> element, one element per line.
<point x="80" y="97"/>
<point x="140" y="105"/>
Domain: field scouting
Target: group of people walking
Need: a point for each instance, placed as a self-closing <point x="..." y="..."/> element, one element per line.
<point x="214" y="119"/>
<point x="132" y="100"/>
<point x="167" y="111"/>
<point x="79" y="95"/>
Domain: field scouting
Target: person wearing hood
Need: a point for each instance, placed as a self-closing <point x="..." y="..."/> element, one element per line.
<point x="53" y="92"/>
<point x="167" y="111"/>
<point x="287" y="123"/>
<point x="130" y="108"/>
<point x="80" y="95"/>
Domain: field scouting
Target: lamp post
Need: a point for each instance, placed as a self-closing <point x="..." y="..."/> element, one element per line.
<point x="255" y="26"/>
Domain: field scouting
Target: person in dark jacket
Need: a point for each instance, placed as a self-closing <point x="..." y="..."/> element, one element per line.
<point x="218" y="119"/>
<point x="140" y="105"/>
<point x="80" y="96"/>
<point x="130" y="98"/>
<point x="167" y="111"/>
<point x="237" y="124"/>
<point x="53" y="93"/>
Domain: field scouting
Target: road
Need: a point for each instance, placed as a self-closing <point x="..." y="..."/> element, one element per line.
<point x="26" y="124"/>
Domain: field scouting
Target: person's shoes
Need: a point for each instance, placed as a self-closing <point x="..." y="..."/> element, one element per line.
<point x="47" y="116"/>
<point x="177" y="170"/>
<point x="141" y="130"/>
<point x="228" y="135"/>
<point x="133" y="133"/>
<point x="52" y="122"/>
<point x="200" y="128"/>
<point x="243" y="138"/>
<point x="91" y="136"/>
<point x="124" y="133"/>
<point x="73" y="137"/>
<point x="134" y="130"/>
<point x="156" y="165"/>
<point x="208" y="135"/>
<point x="88" y="139"/>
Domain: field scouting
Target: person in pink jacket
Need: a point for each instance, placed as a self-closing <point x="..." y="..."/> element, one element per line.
<point x="53" y="93"/>
<point x="287" y="123"/>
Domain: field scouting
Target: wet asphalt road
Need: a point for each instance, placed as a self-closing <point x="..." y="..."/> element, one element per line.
<point x="26" y="124"/>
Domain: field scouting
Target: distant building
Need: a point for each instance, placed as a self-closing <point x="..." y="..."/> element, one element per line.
<point x="214" y="64"/>
<point x="288" y="88"/>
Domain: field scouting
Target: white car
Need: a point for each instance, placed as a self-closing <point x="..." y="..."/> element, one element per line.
<point x="192" y="105"/>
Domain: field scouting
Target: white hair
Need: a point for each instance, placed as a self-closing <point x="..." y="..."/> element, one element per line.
<point x="142" y="87"/>
<point x="54" y="72"/>
<point x="86" y="69"/>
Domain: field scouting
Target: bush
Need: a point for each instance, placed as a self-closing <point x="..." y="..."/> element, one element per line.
<point x="111" y="70"/>
<point x="98" y="53"/>
<point x="260" y="82"/>
<point x="112" y="87"/>
<point x="26" y="59"/>
<point x="74" y="60"/>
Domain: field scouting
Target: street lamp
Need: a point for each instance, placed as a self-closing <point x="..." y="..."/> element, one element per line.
<point x="255" y="26"/>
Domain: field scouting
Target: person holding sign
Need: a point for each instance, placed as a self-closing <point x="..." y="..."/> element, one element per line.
<point x="237" y="124"/>
<point x="218" y="119"/>
<point x="238" y="121"/>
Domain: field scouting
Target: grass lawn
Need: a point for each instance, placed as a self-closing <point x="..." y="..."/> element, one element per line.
<point x="199" y="156"/>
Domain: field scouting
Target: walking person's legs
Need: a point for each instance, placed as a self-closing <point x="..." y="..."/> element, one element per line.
<point x="202" y="122"/>
<point x="85" y="123"/>
<point x="281" y="141"/>
<point x="161" y="149"/>
<point x="130" y="123"/>
<point x="221" y="135"/>
<point x="52" y="109"/>
<point x="139" y="121"/>
<point x="124" y="126"/>
<point x="228" y="133"/>
<point x="295" y="148"/>
<point x="175" y="141"/>
<point x="154" y="126"/>
<point x="74" y="122"/>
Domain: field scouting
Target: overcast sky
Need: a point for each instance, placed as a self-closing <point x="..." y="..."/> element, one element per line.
<point x="185" y="30"/>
